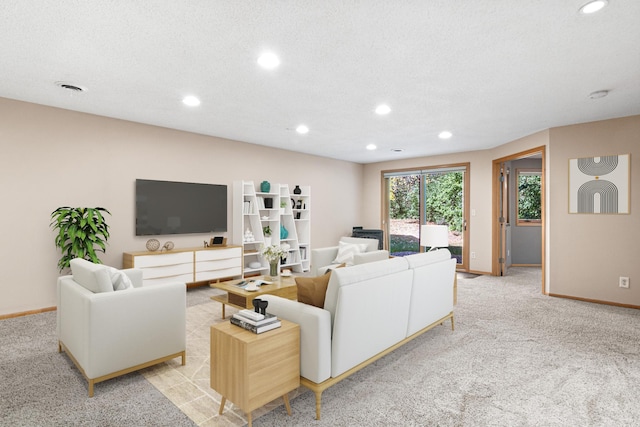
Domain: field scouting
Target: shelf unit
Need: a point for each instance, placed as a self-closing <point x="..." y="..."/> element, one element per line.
<point x="251" y="215"/>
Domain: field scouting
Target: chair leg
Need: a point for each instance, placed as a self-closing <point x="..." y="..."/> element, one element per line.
<point x="318" y="404"/>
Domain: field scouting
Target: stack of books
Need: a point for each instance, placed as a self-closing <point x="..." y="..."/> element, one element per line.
<point x="255" y="322"/>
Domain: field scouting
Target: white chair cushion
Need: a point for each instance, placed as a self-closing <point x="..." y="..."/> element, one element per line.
<point x="94" y="277"/>
<point x="346" y="251"/>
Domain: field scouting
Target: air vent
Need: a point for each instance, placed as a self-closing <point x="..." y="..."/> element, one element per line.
<point x="69" y="86"/>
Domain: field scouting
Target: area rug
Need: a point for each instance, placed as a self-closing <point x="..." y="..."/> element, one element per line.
<point x="516" y="358"/>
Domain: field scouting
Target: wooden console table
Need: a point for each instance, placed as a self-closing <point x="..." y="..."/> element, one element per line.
<point x="251" y="369"/>
<point x="195" y="266"/>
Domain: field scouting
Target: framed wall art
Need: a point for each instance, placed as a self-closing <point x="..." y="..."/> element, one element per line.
<point x="600" y="185"/>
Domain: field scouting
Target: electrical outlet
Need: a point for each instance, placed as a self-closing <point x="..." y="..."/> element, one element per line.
<point x="624" y="282"/>
<point x="473" y="255"/>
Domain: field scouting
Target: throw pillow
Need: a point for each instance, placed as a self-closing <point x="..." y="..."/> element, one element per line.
<point x="119" y="280"/>
<point x="312" y="290"/>
<point x="346" y="251"/>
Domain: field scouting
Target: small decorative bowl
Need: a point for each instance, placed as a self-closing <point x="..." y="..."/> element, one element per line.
<point x="168" y="246"/>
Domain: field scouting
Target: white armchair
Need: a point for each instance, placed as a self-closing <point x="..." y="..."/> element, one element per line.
<point x="109" y="333"/>
<point x="350" y="250"/>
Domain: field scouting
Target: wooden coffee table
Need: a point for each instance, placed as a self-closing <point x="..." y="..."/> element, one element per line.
<point x="237" y="297"/>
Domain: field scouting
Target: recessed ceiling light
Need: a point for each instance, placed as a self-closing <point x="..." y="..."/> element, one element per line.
<point x="445" y="134"/>
<point x="598" y="94"/>
<point x="383" y="109"/>
<point x="371" y="147"/>
<point x="593" y="6"/>
<point x="71" y="87"/>
<point x="302" y="129"/>
<point x="191" y="101"/>
<point x="397" y="150"/>
<point x="268" y="60"/>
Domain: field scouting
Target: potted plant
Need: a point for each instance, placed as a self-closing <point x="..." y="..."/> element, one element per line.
<point x="81" y="233"/>
<point x="283" y="204"/>
<point x="267" y="235"/>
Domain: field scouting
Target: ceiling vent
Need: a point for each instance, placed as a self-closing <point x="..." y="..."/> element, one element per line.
<point x="69" y="86"/>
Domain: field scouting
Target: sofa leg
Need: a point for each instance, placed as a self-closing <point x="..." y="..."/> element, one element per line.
<point x="318" y="403"/>
<point x="90" y="388"/>
<point x="452" y="326"/>
<point x="184" y="358"/>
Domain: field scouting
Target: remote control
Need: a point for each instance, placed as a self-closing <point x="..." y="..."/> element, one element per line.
<point x="252" y="315"/>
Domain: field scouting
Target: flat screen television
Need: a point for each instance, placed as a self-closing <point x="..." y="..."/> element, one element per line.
<point x="167" y="207"/>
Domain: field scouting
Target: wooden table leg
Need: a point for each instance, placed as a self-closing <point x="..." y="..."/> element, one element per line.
<point x="286" y="403"/>
<point x="249" y="420"/>
<point x="222" y="402"/>
<point x="223" y="306"/>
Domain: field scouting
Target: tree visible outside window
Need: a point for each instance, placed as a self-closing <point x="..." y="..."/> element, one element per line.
<point x="529" y="199"/>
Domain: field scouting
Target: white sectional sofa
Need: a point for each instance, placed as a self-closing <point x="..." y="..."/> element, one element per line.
<point x="369" y="310"/>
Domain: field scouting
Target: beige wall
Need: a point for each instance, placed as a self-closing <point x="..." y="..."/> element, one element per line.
<point x="588" y="253"/>
<point x="585" y="254"/>
<point x="53" y="157"/>
<point x="48" y="161"/>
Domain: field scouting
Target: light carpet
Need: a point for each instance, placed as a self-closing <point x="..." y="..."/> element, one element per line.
<point x="516" y="358"/>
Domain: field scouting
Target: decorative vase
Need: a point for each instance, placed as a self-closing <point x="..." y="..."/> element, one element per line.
<point x="153" y="245"/>
<point x="265" y="187"/>
<point x="273" y="268"/>
<point x="284" y="233"/>
<point x="267" y="240"/>
<point x="297" y="190"/>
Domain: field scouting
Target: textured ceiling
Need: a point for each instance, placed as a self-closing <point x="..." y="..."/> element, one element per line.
<point x="489" y="71"/>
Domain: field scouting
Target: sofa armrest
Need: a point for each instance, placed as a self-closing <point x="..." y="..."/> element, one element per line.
<point x="322" y="258"/>
<point x="315" y="335"/>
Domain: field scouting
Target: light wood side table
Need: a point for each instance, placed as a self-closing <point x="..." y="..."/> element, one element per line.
<point x="251" y="369"/>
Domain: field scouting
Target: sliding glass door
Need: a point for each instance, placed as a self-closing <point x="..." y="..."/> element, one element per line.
<point x="427" y="196"/>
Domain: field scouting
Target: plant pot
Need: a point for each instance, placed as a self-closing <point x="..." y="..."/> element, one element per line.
<point x="267" y="240"/>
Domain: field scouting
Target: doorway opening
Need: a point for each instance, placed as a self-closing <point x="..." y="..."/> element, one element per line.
<point x="518" y="231"/>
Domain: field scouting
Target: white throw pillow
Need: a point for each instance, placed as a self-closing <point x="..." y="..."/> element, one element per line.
<point x="119" y="280"/>
<point x="346" y="251"/>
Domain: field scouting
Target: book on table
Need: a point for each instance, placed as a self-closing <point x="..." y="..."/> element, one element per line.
<point x="268" y="318"/>
<point x="254" y="328"/>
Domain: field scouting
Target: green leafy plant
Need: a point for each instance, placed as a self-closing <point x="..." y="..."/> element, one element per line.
<point x="267" y="230"/>
<point x="81" y="233"/>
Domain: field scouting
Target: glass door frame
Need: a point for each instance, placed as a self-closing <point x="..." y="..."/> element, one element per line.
<point x="464" y="167"/>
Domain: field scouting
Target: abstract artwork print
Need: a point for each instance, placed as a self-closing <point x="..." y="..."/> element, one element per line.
<point x="599" y="185"/>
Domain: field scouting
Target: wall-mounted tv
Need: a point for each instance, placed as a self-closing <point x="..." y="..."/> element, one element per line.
<point x="167" y="207"/>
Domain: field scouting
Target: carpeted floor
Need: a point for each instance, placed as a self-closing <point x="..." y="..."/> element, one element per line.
<point x="516" y="358"/>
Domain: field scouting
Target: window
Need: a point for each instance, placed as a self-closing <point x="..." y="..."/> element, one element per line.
<point x="528" y="209"/>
